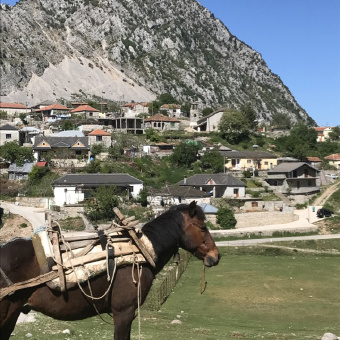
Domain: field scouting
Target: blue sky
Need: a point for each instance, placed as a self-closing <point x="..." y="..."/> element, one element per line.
<point x="300" y="42"/>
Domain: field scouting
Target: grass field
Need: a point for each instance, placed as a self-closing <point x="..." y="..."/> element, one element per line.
<point x="247" y="297"/>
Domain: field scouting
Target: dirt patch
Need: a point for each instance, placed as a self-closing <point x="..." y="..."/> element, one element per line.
<point x="15" y="226"/>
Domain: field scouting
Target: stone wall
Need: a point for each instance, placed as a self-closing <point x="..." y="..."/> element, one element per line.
<point x="37" y="202"/>
<point x="253" y="219"/>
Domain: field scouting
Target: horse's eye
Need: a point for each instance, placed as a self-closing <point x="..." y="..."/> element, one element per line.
<point x="204" y="228"/>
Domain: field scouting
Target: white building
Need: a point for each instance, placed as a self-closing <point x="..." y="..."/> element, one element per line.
<point x="75" y="188"/>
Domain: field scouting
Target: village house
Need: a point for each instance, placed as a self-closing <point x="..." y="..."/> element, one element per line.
<point x="210" y="123"/>
<point x="323" y="133"/>
<point x="133" y="125"/>
<point x="76" y="188"/>
<point x="172" y="110"/>
<point x="14" y="109"/>
<point x="100" y="137"/>
<point x="334" y="160"/>
<point x="27" y="134"/>
<point x="21" y="172"/>
<point x="249" y="160"/>
<point x="53" y="112"/>
<point x="160" y="122"/>
<point x="297" y="178"/>
<point x="158" y="149"/>
<point x="175" y="194"/>
<point x="131" y="110"/>
<point x="86" y="111"/>
<point x="314" y="162"/>
<point x="8" y="133"/>
<point x="62" y="151"/>
<point x="217" y="185"/>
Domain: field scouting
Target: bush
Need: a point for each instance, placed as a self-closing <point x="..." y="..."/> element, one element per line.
<point x="226" y="218"/>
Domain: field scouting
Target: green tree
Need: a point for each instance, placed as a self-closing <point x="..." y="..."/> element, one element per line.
<point x="142" y="197"/>
<point x="234" y="126"/>
<point x="214" y="160"/>
<point x="96" y="149"/>
<point x="281" y="121"/>
<point x="100" y="205"/>
<point x="226" y="218"/>
<point x="166" y="98"/>
<point x="154" y="107"/>
<point x="13" y="153"/>
<point x="206" y="111"/>
<point x="37" y="173"/>
<point x="67" y="125"/>
<point x="334" y="135"/>
<point x="250" y="115"/>
<point x="185" y="154"/>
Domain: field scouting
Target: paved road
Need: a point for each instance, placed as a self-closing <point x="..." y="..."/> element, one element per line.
<point x="36" y="216"/>
<point x="239" y="243"/>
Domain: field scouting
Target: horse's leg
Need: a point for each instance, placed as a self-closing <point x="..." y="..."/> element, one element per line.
<point x="9" y="313"/>
<point x="124" y="299"/>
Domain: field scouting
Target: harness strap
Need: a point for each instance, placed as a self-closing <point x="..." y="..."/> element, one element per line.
<point x="8" y="281"/>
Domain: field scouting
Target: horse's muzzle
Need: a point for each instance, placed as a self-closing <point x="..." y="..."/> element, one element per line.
<point x="210" y="261"/>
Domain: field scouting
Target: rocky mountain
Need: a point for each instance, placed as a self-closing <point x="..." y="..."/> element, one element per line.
<point x="133" y="50"/>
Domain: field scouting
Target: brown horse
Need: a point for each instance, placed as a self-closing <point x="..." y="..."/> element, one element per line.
<point x="181" y="226"/>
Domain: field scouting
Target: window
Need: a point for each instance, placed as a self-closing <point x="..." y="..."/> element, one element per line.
<point x="265" y="163"/>
<point x="254" y="204"/>
<point x="8" y="136"/>
<point x="99" y="138"/>
<point x="248" y="161"/>
<point x="78" y="152"/>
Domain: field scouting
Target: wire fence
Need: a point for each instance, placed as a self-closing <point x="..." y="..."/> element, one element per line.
<point x="165" y="281"/>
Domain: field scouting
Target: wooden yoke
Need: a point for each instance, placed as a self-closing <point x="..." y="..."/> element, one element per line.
<point x="129" y="223"/>
<point x="54" y="232"/>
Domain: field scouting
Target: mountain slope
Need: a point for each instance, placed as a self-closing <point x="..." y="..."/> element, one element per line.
<point x="134" y="50"/>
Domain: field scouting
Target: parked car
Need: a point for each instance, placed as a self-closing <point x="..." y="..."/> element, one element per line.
<point x="324" y="213"/>
<point x="334" y="176"/>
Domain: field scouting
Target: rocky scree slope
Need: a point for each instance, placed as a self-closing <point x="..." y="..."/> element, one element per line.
<point x="133" y="50"/>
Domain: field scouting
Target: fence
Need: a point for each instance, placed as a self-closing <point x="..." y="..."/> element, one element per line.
<point x="165" y="281"/>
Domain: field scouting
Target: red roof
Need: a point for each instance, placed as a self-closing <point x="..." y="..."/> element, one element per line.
<point x="320" y="128"/>
<point x="83" y="108"/>
<point x="12" y="106"/>
<point x="41" y="164"/>
<point x="160" y="117"/>
<point x="53" y="107"/>
<point x="314" y="159"/>
<point x="99" y="133"/>
<point x="334" y="157"/>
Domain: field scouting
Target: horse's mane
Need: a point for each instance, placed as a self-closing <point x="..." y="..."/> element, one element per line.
<point x="165" y="230"/>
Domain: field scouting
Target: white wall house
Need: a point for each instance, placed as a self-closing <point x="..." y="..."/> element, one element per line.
<point x="8" y="133"/>
<point x="217" y="185"/>
<point x="75" y="188"/>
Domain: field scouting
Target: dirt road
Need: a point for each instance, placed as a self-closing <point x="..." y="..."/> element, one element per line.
<point x="321" y="200"/>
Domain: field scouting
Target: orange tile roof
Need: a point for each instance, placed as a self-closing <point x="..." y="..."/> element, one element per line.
<point x="314" y="159"/>
<point x="333" y="157"/>
<point x="160" y="117"/>
<point x="53" y="107"/>
<point x="41" y="164"/>
<point x="82" y="108"/>
<point x="12" y="106"/>
<point x="99" y="132"/>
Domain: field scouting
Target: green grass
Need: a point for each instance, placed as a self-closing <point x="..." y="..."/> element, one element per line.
<point x="248" y="297"/>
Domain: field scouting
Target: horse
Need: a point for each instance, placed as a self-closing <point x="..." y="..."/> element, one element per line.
<point x="182" y="226"/>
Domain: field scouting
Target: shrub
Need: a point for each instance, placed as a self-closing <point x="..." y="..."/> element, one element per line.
<point x="226" y="218"/>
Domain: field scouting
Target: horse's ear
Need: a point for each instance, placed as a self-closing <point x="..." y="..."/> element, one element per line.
<point x="192" y="209"/>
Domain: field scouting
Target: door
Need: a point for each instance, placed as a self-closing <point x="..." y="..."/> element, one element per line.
<point x="236" y="193"/>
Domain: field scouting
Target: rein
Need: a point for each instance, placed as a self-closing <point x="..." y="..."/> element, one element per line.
<point x="202" y="289"/>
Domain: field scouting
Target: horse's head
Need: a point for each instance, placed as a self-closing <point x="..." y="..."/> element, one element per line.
<point x="196" y="237"/>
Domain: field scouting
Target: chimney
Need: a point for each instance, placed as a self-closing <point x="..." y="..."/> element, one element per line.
<point x="185" y="180"/>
